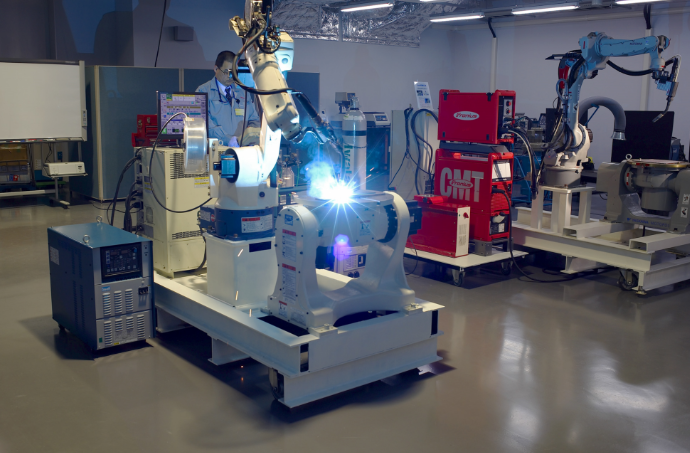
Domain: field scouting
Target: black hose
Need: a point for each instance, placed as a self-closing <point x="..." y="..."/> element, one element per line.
<point x="572" y="76"/>
<point x="629" y="72"/>
<point x="236" y="77"/>
<point x="530" y="153"/>
<point x="160" y="35"/>
<point x="491" y="27"/>
<point x="153" y="151"/>
<point x="406" y="113"/>
<point x="244" y="121"/>
<point x="117" y="188"/>
<point x="419" y="138"/>
<point x="648" y="16"/>
<point x="127" y="221"/>
<point x="203" y="261"/>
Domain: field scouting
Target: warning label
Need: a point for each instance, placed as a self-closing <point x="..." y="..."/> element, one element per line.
<point x="201" y="182"/>
<point x="257" y="224"/>
<point x="684" y="213"/>
<point x="289" y="282"/>
<point x="290" y="245"/>
<point x="686" y="198"/>
<point x="365" y="229"/>
<point x="282" y="310"/>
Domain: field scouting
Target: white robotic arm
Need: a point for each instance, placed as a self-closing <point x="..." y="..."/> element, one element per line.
<point x="565" y="154"/>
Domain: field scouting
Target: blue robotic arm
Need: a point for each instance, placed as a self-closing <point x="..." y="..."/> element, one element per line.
<point x="568" y="149"/>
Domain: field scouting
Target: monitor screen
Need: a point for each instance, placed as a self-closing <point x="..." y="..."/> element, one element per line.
<point x="643" y="138"/>
<point x="193" y="104"/>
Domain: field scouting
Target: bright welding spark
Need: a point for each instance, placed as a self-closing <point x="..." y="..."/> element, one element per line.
<point x="324" y="185"/>
<point x="237" y="294"/>
<point x="238" y="255"/>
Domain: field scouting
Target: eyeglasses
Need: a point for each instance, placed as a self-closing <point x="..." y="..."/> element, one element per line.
<point x="227" y="72"/>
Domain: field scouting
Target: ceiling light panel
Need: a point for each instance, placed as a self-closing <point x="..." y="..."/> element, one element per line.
<point x="455" y="17"/>
<point x="365" y="6"/>
<point x="536" y="9"/>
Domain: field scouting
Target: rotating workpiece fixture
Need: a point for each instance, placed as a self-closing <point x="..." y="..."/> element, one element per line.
<point x="379" y="220"/>
<point x="653" y="193"/>
<point x="568" y="150"/>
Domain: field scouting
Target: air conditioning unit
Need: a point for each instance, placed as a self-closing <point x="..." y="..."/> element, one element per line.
<point x="177" y="241"/>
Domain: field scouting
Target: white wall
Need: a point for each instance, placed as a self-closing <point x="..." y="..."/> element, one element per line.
<point x="521" y="67"/>
<point x="209" y="18"/>
<point x="382" y="76"/>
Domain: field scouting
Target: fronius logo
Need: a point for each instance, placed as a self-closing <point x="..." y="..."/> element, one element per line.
<point x="466" y="116"/>
<point x="461" y="184"/>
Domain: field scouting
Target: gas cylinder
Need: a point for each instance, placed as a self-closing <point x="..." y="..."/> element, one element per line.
<point x="355" y="146"/>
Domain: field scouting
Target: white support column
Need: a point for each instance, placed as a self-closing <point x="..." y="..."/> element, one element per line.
<point x="585" y="210"/>
<point x="537" y="212"/>
<point x="646" y="61"/>
<point x="494" y="64"/>
<point x="223" y="353"/>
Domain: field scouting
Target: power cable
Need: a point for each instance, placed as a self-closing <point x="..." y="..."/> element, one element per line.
<point x="117" y="188"/>
<point x="160" y="35"/>
<point x="153" y="152"/>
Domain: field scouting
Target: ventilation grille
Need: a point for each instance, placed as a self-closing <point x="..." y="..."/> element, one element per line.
<point x="498" y="202"/>
<point x="462" y="235"/>
<point x="129" y="300"/>
<point x="107" y="305"/>
<point x="129" y="324"/>
<point x="108" y="333"/>
<point x="118" y="325"/>
<point x="177" y="167"/>
<point x="141" y="327"/>
<point x="118" y="301"/>
<point x="186" y="234"/>
<point x="81" y="307"/>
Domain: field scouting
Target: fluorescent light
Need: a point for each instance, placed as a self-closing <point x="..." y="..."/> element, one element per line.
<point x="365" y="6"/>
<point x="545" y="8"/>
<point x="630" y="2"/>
<point x="452" y="17"/>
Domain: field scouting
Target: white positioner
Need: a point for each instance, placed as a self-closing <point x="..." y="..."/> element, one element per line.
<point x="377" y="219"/>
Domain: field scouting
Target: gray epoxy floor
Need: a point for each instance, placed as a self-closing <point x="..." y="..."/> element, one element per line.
<point x="577" y="366"/>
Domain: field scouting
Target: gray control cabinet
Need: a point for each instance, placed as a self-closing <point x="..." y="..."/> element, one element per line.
<point x="101" y="283"/>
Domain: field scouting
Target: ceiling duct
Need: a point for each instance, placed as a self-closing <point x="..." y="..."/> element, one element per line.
<point x="399" y="25"/>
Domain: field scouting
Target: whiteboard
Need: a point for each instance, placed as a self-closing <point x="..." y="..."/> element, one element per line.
<point x="42" y="101"/>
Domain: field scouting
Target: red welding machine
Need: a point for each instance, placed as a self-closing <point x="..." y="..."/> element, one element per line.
<point x="475" y="117"/>
<point x="472" y="170"/>
<point x="466" y="178"/>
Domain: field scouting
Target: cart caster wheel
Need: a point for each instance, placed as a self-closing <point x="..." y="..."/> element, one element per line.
<point x="277" y="383"/>
<point x="506" y="267"/>
<point x="62" y="328"/>
<point x="626" y="285"/>
<point x="51" y="202"/>
<point x="458" y="278"/>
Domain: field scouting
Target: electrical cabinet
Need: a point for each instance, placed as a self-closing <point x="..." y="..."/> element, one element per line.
<point x="177" y="241"/>
<point x="101" y="284"/>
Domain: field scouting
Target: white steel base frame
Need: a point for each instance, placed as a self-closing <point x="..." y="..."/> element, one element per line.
<point x="587" y="245"/>
<point x="313" y="366"/>
<point x="459" y="265"/>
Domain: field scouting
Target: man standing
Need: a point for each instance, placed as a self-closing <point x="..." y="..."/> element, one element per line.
<point x="226" y="106"/>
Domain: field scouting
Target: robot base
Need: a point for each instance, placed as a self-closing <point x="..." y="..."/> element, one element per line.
<point x="646" y="259"/>
<point x="311" y="365"/>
